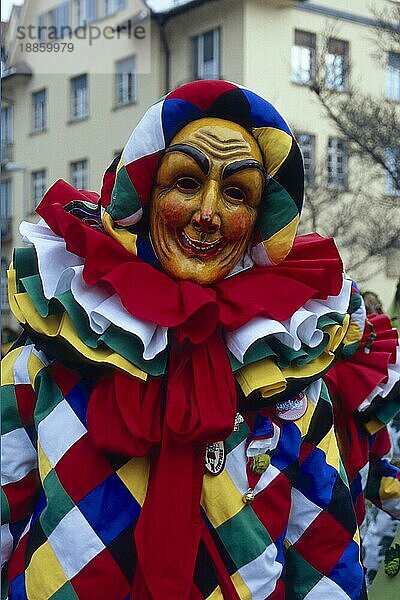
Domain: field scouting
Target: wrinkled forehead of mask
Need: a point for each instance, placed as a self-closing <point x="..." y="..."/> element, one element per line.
<point x="281" y="204"/>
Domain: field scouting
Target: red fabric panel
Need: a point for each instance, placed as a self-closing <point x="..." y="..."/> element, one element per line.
<point x="16" y="564"/>
<point x="202" y="93"/>
<point x="93" y="469"/>
<point x="101" y="578"/>
<point x="324" y="532"/>
<point x="272" y="506"/>
<point x="26" y="401"/>
<point x="141" y="172"/>
<point x="21" y="496"/>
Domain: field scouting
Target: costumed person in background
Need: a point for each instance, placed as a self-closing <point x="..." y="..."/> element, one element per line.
<point x="167" y="433"/>
<point x="370" y="447"/>
<point x="394" y="308"/>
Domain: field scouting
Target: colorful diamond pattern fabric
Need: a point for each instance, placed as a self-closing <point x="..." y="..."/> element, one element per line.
<point x="73" y="531"/>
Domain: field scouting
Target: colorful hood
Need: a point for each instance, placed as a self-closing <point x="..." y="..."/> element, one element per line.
<point x="283" y="196"/>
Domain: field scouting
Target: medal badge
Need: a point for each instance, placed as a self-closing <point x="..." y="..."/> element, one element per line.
<point x="292" y="409"/>
<point x="215" y="458"/>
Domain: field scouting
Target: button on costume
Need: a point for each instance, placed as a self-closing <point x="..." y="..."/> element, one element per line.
<point x="167" y="433"/>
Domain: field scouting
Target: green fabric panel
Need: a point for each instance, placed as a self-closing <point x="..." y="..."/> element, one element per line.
<point x="48" y="396"/>
<point x="5" y="508"/>
<point x="277" y="209"/>
<point x="343" y="474"/>
<point x="324" y="394"/>
<point x="244" y="536"/>
<point x="124" y="199"/>
<point x="387" y="411"/>
<point x="349" y="350"/>
<point x="10" y="418"/>
<point x="66" y="592"/>
<point x="355" y="302"/>
<point x="33" y="287"/>
<point x="300" y="575"/>
<point x="58" y="503"/>
<point x="373" y="485"/>
<point x="131" y="348"/>
<point x="25" y="264"/>
<point x="236" y="437"/>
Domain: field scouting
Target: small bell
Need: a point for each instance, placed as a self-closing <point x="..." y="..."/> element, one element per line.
<point x="260" y="463"/>
<point x="249" y="496"/>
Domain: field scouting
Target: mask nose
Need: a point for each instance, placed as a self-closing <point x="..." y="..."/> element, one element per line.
<point x="205" y="219"/>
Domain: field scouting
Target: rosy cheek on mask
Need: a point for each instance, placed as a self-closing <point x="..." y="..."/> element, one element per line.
<point x="174" y="211"/>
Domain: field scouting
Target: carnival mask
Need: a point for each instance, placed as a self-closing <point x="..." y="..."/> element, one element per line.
<point x="205" y="198"/>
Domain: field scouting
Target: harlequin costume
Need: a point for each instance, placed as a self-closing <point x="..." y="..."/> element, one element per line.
<point x="129" y="381"/>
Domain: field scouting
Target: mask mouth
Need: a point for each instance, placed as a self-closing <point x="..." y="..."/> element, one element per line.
<point x="198" y="248"/>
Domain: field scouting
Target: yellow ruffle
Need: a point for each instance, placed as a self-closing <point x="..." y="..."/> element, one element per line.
<point x="266" y="377"/>
<point x="60" y="326"/>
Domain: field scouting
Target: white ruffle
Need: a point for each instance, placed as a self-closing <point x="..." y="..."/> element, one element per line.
<point x="61" y="271"/>
<point x="383" y="389"/>
<point x="300" y="328"/>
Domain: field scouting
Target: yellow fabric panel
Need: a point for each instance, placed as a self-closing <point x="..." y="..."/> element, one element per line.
<point x="7" y="367"/>
<point x="35" y="365"/>
<point x="12" y="291"/>
<point x="304" y="422"/>
<point x="44" y="463"/>
<point x="279" y="245"/>
<point x="39" y="586"/>
<point x="122" y="236"/>
<point x="220" y="498"/>
<point x="275" y="146"/>
<point x="356" y="536"/>
<point x="135" y="475"/>
<point x="120" y="165"/>
<point x="389" y="488"/>
<point x="263" y="374"/>
<point x="329" y="447"/>
<point x="241" y="588"/>
<point x="354" y="333"/>
<point x="373" y="425"/>
<point x="61" y="326"/>
<point x="215" y="594"/>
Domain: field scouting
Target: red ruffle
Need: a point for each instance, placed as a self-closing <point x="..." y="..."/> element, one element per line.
<point x="313" y="269"/>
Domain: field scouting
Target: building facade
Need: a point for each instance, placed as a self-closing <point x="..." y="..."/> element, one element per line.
<point x="72" y="125"/>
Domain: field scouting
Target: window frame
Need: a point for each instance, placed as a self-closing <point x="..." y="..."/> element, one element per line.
<point x="309" y="173"/>
<point x="298" y="54"/>
<point x="122" y="82"/>
<point x="42" y="126"/>
<point x="336" y="69"/>
<point x="36" y="198"/>
<point x="85" y="179"/>
<point x="335" y="155"/>
<point x="393" y="77"/>
<point x="79" y="98"/>
<point x="197" y="49"/>
<point x="392" y="158"/>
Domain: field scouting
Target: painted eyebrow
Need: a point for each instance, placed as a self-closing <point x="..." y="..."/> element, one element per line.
<point x="198" y="156"/>
<point x="240" y="165"/>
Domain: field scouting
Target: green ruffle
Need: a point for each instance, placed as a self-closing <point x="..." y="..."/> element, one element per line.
<point x="125" y="344"/>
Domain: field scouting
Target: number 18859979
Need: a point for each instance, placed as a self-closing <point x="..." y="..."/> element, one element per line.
<point x="46" y="47"/>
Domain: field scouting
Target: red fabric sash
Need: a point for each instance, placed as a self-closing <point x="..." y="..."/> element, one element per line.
<point x="128" y="417"/>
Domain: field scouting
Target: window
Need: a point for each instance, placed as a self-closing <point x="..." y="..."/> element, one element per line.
<point x="113" y="6"/>
<point x="60" y="21"/>
<point x="206" y="55"/>
<point x="393" y="76"/>
<point x="6" y="208"/>
<point x="126" y="81"/>
<point x="5" y="307"/>
<point x="39" y="186"/>
<point x="307" y="146"/>
<point x="79" y="174"/>
<point x="337" y="64"/>
<point x="39" y="107"/>
<point x="41" y="27"/>
<point x="337" y="163"/>
<point x="85" y="11"/>
<point x="6" y="133"/>
<point x="303" y="57"/>
<point x="393" y="163"/>
<point x="79" y="98"/>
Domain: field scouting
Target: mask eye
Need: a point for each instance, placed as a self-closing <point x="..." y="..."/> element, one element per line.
<point x="187" y="184"/>
<point x="235" y="195"/>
